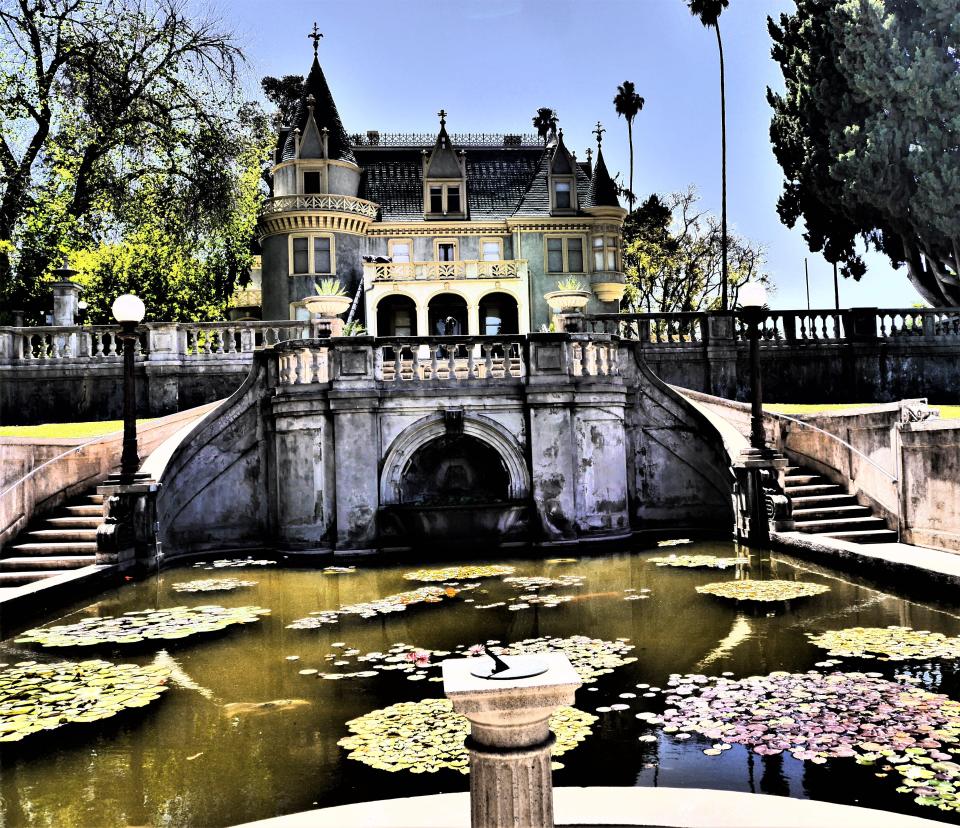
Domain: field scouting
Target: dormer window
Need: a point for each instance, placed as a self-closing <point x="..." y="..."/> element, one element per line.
<point x="561" y="195"/>
<point x="445" y="199"/>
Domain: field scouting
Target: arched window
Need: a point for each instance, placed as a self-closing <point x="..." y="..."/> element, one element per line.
<point x="396" y="316"/>
<point x="498" y="315"/>
<point x="447" y="315"/>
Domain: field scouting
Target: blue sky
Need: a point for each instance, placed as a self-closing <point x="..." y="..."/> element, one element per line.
<point x="392" y="64"/>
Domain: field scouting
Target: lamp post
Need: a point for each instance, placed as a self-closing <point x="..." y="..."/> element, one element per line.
<point x="753" y="297"/>
<point x="129" y="311"/>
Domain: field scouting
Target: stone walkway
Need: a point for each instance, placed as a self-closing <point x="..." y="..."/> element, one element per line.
<point x="914" y="563"/>
<point x="677" y="807"/>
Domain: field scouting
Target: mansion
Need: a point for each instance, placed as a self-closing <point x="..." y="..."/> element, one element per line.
<point x="435" y="233"/>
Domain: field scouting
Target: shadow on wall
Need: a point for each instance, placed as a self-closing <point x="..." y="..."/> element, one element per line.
<point x="678" y="472"/>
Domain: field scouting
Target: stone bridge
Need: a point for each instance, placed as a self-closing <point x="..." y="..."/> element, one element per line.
<point x="373" y="444"/>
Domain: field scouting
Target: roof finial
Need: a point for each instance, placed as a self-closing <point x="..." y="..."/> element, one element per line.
<point x="443" y="117"/>
<point x="315" y="36"/>
<point x="589" y="154"/>
<point x="598" y="131"/>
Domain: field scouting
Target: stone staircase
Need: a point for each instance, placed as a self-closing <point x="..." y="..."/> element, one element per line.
<point x="824" y="508"/>
<point x="61" y="541"/>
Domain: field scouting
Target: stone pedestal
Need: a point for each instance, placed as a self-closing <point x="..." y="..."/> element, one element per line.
<point x="128" y="537"/>
<point x="759" y="496"/>
<point x="510" y="740"/>
<point x="66" y="297"/>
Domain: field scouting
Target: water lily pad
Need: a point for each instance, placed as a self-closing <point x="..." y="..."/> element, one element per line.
<point x="534" y="583"/>
<point x="381" y="606"/>
<point x="699" y="561"/>
<point x="213" y="585"/>
<point x="36" y="697"/>
<point x="427" y="736"/>
<point x="234" y="563"/>
<point x="450" y="572"/>
<point x="747" y="590"/>
<point x="893" y="643"/>
<point x="135" y="627"/>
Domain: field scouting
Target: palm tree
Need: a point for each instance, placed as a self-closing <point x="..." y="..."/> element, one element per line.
<point x="628" y="103"/>
<point x="545" y="122"/>
<point x="709" y="13"/>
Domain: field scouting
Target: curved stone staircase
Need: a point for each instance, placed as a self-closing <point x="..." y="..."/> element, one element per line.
<point x="62" y="540"/>
<point x="824" y="508"/>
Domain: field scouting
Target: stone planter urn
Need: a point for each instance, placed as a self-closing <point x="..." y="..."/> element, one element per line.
<point x="327" y="304"/>
<point x="567" y="301"/>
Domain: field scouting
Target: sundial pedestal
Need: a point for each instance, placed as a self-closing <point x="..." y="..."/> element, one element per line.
<point x="510" y="741"/>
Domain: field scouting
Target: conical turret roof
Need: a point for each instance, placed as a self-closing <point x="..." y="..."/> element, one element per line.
<point x="603" y="192"/>
<point x="324" y="114"/>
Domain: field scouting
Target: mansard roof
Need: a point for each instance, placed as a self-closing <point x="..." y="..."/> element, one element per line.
<point x="497" y="179"/>
<point x="603" y="192"/>
<point x="536" y="201"/>
<point x="324" y="114"/>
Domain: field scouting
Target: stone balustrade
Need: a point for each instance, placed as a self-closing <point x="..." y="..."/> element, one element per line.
<point x="439" y="271"/>
<point x="449" y="359"/>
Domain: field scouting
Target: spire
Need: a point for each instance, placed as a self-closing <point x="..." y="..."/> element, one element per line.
<point x="603" y="192"/>
<point x="443" y="161"/>
<point x="316" y="112"/>
<point x="562" y="162"/>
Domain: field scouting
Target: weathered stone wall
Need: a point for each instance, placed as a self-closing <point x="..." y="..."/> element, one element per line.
<point x="309" y="453"/>
<point x="930" y="473"/>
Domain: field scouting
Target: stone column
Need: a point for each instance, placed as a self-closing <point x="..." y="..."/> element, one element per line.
<point x="511" y="783"/>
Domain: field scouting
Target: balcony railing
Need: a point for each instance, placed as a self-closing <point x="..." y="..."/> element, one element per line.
<point x="335" y="203"/>
<point x="441" y="271"/>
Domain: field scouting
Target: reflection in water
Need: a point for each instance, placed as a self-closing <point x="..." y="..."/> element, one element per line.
<point x="183" y="762"/>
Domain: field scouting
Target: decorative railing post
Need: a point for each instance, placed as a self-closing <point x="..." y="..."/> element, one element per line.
<point x="860" y="324"/>
<point x="509" y="706"/>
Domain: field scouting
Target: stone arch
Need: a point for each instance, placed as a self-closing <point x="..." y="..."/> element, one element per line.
<point x="428" y="428"/>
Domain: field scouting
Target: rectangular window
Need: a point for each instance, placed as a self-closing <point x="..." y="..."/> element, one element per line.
<point x="598" y="253"/>
<point x="301" y="255"/>
<point x="562" y="195"/>
<point x="402" y="323"/>
<point x="436" y="199"/>
<point x="453" y="200"/>
<point x="555" y="255"/>
<point x="490" y="251"/>
<point x="321" y="255"/>
<point x="575" y="255"/>
<point x="311" y="182"/>
<point x="611" y="252"/>
<point x="446" y="252"/>
<point x="400" y="251"/>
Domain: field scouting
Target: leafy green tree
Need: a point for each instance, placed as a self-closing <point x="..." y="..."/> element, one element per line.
<point x="868" y="134"/>
<point x="285" y="94"/>
<point x="673" y="257"/>
<point x="708" y="12"/>
<point x="545" y="123"/>
<point x="102" y="104"/>
<point x="628" y="104"/>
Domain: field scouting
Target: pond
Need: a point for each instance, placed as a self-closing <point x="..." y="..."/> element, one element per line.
<point x="247" y="731"/>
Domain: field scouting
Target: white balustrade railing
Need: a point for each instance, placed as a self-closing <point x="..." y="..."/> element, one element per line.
<point x="594" y="358"/>
<point x="328" y="202"/>
<point x="449" y="359"/>
<point x="155" y="341"/>
<point x="304" y="366"/>
<point x="440" y="271"/>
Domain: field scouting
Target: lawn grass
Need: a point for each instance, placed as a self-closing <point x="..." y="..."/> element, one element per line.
<point x="947" y="412"/>
<point x="67" y="430"/>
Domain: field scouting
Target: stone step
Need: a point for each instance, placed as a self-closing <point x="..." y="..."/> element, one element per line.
<point x="817" y="501"/>
<point x="59" y="563"/>
<point x="839" y="525"/>
<point x="73" y="522"/>
<point x="72" y="548"/>
<point x="63" y="535"/>
<point x="86" y="510"/>
<point x="872" y="536"/>
<point x="95" y="498"/>
<point x="794" y="480"/>
<point x="11" y="579"/>
<point x="819" y="489"/>
<point x="824" y="512"/>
